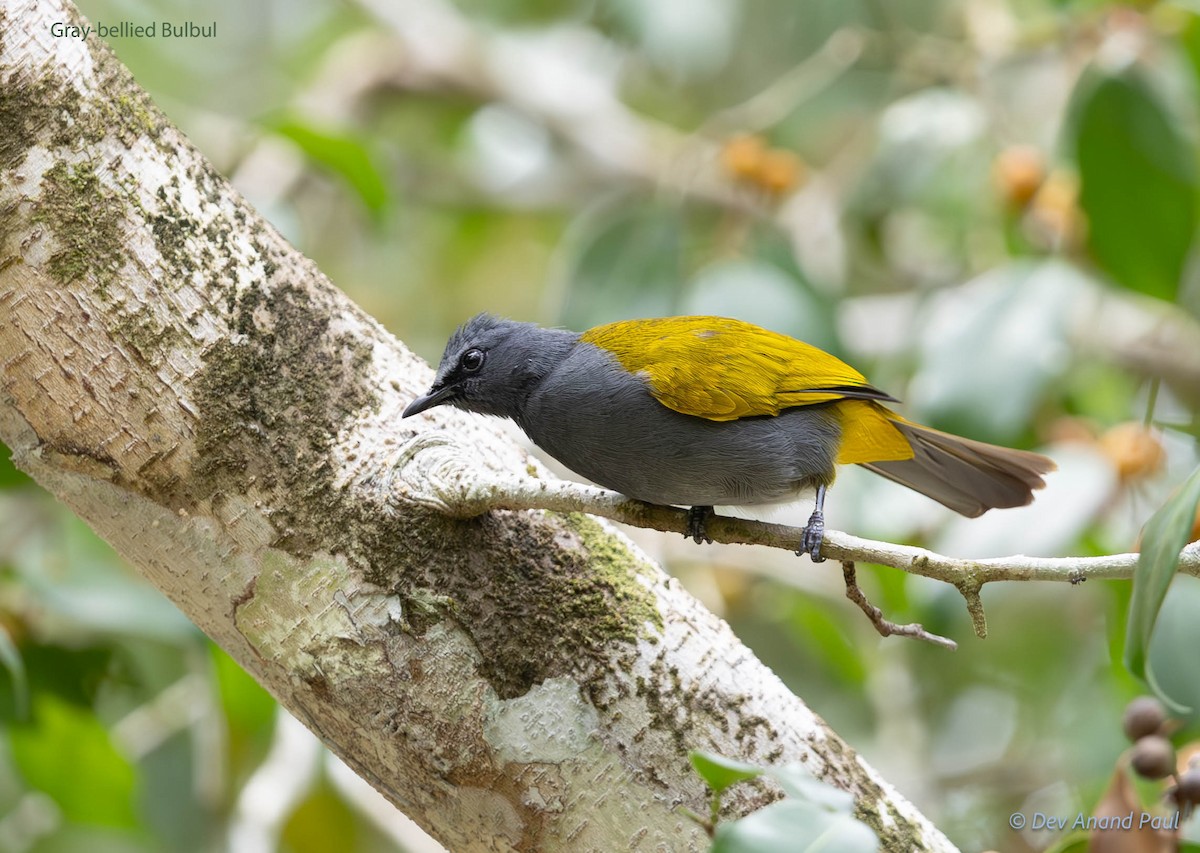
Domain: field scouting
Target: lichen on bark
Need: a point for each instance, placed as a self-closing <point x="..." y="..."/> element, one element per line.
<point x="86" y="219"/>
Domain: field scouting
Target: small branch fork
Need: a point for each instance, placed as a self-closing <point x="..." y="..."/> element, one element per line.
<point x="886" y="627"/>
<point x="444" y="489"/>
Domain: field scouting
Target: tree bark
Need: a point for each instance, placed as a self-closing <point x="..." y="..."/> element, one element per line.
<point x="214" y="408"/>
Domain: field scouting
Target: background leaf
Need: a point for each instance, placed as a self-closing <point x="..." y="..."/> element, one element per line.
<point x="321" y="822"/>
<point x="1138" y="182"/>
<point x="1165" y="535"/>
<point x="10" y="477"/>
<point x="1172" y="656"/>
<point x="69" y="756"/>
<point x="797" y="781"/>
<point x="794" y="826"/>
<point x="719" y="772"/>
<point x="344" y="155"/>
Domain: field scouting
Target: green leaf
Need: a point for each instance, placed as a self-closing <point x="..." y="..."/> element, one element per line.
<point x="794" y="826"/>
<point x="1137" y="182"/>
<point x="344" y="156"/>
<point x="250" y="713"/>
<point x="720" y="772"/>
<point x="797" y="781"/>
<point x="1075" y="842"/>
<point x="1172" y="655"/>
<point x="1165" y="534"/>
<point x="10" y="476"/>
<point x="67" y="754"/>
<point x="72" y="673"/>
<point x="246" y="702"/>
<point x="322" y="821"/>
<point x="814" y="626"/>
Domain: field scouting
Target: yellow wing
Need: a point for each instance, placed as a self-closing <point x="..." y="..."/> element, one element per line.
<point x="722" y="370"/>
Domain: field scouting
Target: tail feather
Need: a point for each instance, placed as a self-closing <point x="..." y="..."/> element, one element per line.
<point x="969" y="477"/>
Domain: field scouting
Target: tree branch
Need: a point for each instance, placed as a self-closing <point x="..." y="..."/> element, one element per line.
<point x="442" y="460"/>
<point x="885" y="627"/>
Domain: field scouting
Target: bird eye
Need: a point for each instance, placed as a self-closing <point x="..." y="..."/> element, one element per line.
<point x="471" y="360"/>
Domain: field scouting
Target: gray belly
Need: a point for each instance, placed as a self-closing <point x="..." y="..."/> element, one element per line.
<point x="603" y="424"/>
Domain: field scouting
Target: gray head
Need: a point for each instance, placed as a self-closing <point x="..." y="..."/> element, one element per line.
<point x="491" y="365"/>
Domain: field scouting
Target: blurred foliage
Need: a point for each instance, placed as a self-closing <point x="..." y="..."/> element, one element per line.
<point x="987" y="206"/>
<point x="344" y="156"/>
<point x="812" y="815"/>
<point x="1137" y="181"/>
<point x="1167" y="531"/>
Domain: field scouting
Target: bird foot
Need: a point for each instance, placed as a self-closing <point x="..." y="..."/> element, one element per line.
<point x="697" y="523"/>
<point x="814" y="535"/>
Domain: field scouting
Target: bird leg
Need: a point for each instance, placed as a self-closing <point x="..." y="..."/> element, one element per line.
<point x="697" y="521"/>
<point x="814" y="531"/>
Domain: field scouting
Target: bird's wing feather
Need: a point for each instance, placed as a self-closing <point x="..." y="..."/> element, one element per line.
<point x="722" y="369"/>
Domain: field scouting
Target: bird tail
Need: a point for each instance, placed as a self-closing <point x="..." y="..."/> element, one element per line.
<point x="969" y="477"/>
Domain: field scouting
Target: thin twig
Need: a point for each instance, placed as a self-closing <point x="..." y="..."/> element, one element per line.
<point x="886" y="627"/>
<point x="968" y="574"/>
<point x="442" y="485"/>
<point x="970" y="594"/>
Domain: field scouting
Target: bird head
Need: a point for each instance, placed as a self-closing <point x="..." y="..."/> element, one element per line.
<point x="491" y="364"/>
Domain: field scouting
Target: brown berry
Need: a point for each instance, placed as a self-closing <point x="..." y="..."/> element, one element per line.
<point x="780" y="171"/>
<point x="1143" y="717"/>
<point x="742" y="156"/>
<point x="1018" y="173"/>
<point x="1187" y="792"/>
<point x="1153" y="757"/>
<point x="1134" y="449"/>
<point x="1054" y="211"/>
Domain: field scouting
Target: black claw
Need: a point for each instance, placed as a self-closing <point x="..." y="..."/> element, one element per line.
<point x="814" y="535"/>
<point x="814" y="531"/>
<point x="697" y="524"/>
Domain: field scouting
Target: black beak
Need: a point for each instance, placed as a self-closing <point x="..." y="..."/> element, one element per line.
<point x="435" y="397"/>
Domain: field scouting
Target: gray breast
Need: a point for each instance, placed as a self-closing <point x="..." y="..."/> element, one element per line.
<point x="601" y="422"/>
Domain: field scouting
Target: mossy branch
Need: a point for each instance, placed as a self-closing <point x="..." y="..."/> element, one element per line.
<point x="448" y="482"/>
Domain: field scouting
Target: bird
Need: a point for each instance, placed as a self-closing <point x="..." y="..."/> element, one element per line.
<point x="701" y="411"/>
